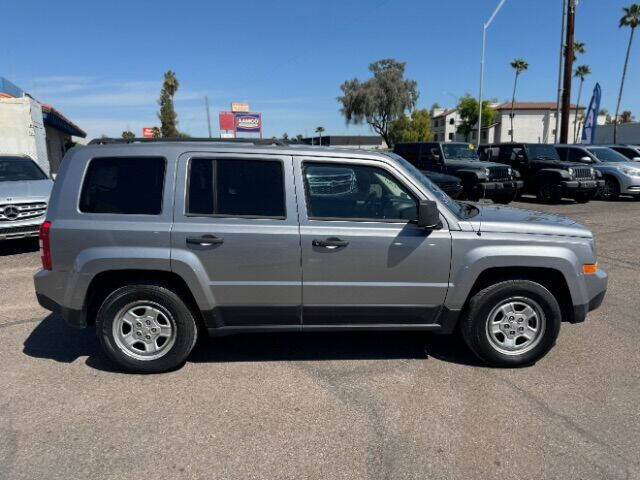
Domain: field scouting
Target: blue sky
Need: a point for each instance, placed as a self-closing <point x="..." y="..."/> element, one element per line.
<point x="101" y="64"/>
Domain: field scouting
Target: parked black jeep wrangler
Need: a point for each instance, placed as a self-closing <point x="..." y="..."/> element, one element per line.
<point x="479" y="180"/>
<point x="543" y="172"/>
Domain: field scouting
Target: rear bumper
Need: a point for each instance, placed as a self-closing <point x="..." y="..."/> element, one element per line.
<point x="596" y="286"/>
<point x="74" y="318"/>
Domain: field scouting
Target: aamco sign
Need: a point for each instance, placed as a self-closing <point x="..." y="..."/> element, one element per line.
<point x="147" y="132"/>
<point x="248" y="122"/>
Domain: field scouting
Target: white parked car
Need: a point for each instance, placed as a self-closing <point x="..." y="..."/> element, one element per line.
<point x="24" y="195"/>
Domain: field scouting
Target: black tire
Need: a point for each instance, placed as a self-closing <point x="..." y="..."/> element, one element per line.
<point x="504" y="198"/>
<point x="583" y="197"/>
<point x="547" y="192"/>
<point x="611" y="189"/>
<point x="169" y="304"/>
<point x="474" y="324"/>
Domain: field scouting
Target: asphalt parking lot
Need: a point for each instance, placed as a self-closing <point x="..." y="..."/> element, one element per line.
<point x="365" y="405"/>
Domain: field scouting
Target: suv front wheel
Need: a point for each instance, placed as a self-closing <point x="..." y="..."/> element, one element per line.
<point x="146" y="328"/>
<point x="511" y="323"/>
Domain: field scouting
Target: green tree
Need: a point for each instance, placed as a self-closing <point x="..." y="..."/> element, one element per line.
<point x="381" y="99"/>
<point x="581" y="72"/>
<point x="319" y="131"/>
<point x="626" y="117"/>
<point x="578" y="49"/>
<point x="519" y="65"/>
<point x="128" y="134"/>
<point x="468" y="112"/>
<point x="156" y="132"/>
<point x="285" y="137"/>
<point x="414" y="128"/>
<point x="167" y="115"/>
<point x="631" y="19"/>
<point x="299" y="138"/>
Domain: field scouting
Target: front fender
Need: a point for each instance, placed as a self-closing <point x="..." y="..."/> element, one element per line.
<point x="472" y="256"/>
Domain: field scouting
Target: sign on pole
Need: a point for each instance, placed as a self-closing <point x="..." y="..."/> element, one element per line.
<point x="147" y="132"/>
<point x="240" y="107"/>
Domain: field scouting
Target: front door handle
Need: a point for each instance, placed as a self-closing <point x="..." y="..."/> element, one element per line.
<point x="205" y="240"/>
<point x="331" y="243"/>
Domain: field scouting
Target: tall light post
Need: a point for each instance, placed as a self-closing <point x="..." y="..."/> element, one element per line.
<point x="484" y="42"/>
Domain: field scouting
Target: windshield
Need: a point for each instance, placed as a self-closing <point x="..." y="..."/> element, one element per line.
<point x="608" y="155"/>
<point x="462" y="210"/>
<point x="543" y="151"/>
<point x="464" y="151"/>
<point x="16" y="169"/>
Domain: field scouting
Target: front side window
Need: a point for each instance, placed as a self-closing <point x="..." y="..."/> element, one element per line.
<point x="16" y="169"/>
<point x="542" y="151"/>
<point x="464" y="151"/>
<point x="356" y="192"/>
<point x="608" y="155"/>
<point x="123" y="185"/>
<point x="236" y="188"/>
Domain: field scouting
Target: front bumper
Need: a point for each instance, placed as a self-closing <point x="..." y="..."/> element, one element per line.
<point x="496" y="188"/>
<point x="10" y="232"/>
<point x="581" y="186"/>
<point x="629" y="185"/>
<point x="596" y="287"/>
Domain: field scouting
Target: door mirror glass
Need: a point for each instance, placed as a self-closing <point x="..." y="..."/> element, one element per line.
<point x="428" y="215"/>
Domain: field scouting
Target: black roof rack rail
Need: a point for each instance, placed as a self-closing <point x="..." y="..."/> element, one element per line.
<point x="253" y="141"/>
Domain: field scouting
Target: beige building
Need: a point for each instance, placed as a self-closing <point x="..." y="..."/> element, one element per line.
<point x="533" y="122"/>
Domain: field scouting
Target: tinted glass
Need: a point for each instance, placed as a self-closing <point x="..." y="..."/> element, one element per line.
<point x="237" y="188"/>
<point x="339" y="191"/>
<point x="576" y="155"/>
<point x="608" y="155"/>
<point x="123" y="185"/>
<point x="542" y="151"/>
<point x="15" y="169"/>
<point x="464" y="151"/>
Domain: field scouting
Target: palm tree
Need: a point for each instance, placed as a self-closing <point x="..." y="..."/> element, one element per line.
<point x="578" y="49"/>
<point x="519" y="65"/>
<point x="626" y="117"/>
<point x="319" y="131"/>
<point x="581" y="72"/>
<point x="631" y="19"/>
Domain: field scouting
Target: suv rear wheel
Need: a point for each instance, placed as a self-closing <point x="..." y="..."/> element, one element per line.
<point x="511" y="323"/>
<point x="146" y="328"/>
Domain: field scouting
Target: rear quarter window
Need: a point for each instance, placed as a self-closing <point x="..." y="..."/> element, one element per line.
<point x="123" y="185"/>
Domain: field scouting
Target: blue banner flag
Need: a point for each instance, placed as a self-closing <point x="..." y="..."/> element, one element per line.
<point x="591" y="119"/>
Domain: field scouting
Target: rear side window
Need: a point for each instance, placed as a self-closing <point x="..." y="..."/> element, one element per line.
<point x="123" y="185"/>
<point x="236" y="188"/>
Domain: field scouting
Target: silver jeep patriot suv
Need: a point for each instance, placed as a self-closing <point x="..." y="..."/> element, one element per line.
<point x="156" y="243"/>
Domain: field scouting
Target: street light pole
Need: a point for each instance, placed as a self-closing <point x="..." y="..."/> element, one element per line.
<point x="484" y="41"/>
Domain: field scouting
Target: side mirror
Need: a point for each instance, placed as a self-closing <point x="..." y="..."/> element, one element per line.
<point x="428" y="215"/>
<point x="53" y="176"/>
<point x="520" y="157"/>
<point x="636" y="159"/>
<point x="586" y="159"/>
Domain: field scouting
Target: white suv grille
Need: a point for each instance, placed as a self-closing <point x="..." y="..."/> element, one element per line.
<point x="11" y="212"/>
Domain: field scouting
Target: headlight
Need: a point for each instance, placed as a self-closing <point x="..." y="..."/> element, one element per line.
<point x="571" y="171"/>
<point x="593" y="173"/>
<point x="487" y="172"/>
<point x="633" y="172"/>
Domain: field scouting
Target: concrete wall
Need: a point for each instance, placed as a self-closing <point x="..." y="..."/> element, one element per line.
<point x="627" y="133"/>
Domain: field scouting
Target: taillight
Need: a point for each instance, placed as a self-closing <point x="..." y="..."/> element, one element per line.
<point x="45" y="245"/>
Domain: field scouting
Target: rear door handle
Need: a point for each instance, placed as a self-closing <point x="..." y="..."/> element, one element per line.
<point x="205" y="240"/>
<point x="331" y="243"/>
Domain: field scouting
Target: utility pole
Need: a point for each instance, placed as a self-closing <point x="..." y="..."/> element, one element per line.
<point x="562" y="49"/>
<point x="568" y="70"/>
<point x="206" y="105"/>
<point x="484" y="42"/>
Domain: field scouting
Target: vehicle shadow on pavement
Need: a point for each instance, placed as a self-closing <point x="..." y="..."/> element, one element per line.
<point x="333" y="346"/>
<point x="53" y="339"/>
<point x="15" y="247"/>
